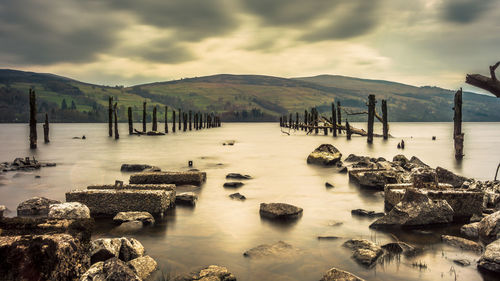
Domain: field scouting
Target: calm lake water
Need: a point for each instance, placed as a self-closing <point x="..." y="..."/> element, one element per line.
<point x="218" y="230"/>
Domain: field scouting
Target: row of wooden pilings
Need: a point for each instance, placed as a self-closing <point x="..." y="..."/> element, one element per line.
<point x="186" y="120"/>
<point x="311" y="121"/>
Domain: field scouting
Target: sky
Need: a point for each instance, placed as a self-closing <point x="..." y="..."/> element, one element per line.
<point x="127" y="42"/>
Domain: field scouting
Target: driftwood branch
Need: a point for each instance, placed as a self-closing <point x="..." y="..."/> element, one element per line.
<point x="491" y="85"/>
<point x="354" y="130"/>
<point x="364" y="112"/>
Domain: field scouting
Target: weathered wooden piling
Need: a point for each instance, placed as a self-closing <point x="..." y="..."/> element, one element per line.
<point x="385" y="125"/>
<point x="458" y="136"/>
<point x="173" y="121"/>
<point x="316" y="130"/>
<point x="334" y="120"/>
<point x="371" y="117"/>
<point x="115" y="110"/>
<point x="180" y="119"/>
<point x="281" y="121"/>
<point x="130" y="122"/>
<point x="155" y="121"/>
<point x="339" y="116"/>
<point x="144" y="116"/>
<point x="348" y="130"/>
<point x="195" y="121"/>
<point x="296" y="121"/>
<point x="190" y="114"/>
<point x="166" y="119"/>
<point x="33" y="135"/>
<point x="46" y="129"/>
<point x="305" y="119"/>
<point x="184" y="117"/>
<point x="110" y="116"/>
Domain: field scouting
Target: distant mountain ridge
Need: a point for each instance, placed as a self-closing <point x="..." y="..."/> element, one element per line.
<point x="236" y="97"/>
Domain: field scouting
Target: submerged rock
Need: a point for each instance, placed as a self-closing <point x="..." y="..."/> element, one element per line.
<point x="279" y="211"/>
<point x="144" y="217"/>
<point x="399" y="248"/>
<point x="112" y="269"/>
<point x="364" y="251"/>
<point x="356" y="158"/>
<point x="489" y="228"/>
<point x="325" y="154"/>
<point x="328" y="185"/>
<point x="210" y="273"/>
<point x="416" y="209"/>
<point x="69" y="211"/>
<point x="366" y="213"/>
<point x="143" y="266"/>
<point x="279" y="249"/>
<point x="138" y="168"/>
<point x="238" y="176"/>
<point x="237" y="196"/>
<point x="233" y="184"/>
<point x="186" y="198"/>
<point x="470" y="230"/>
<point x="335" y="274"/>
<point x="461" y="243"/>
<point x="462" y="262"/>
<point x="490" y="260"/>
<point x="229" y="142"/>
<point x="36" y="206"/>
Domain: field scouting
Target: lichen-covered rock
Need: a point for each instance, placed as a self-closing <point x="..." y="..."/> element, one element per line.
<point x="54" y="257"/>
<point x="490" y="260"/>
<point x="238" y="176"/>
<point x="364" y="251"/>
<point x="130" y="249"/>
<point x="143" y="266"/>
<point x="36" y="206"/>
<point x="470" y="230"/>
<point x="69" y="211"/>
<point x="399" y="248"/>
<point x="356" y="158"/>
<point x="279" y="249"/>
<point x="237" y="196"/>
<point x="461" y="243"/>
<point x="112" y="269"/>
<point x="280" y="211"/>
<point x="375" y="179"/>
<point x="138" y="168"/>
<point x="489" y="228"/>
<point x="104" y="248"/>
<point x="446" y="176"/>
<point x="186" y="198"/>
<point x="416" y="209"/>
<point x="334" y="274"/>
<point x="424" y="178"/>
<point x="144" y="217"/>
<point x="325" y="154"/>
<point x="210" y="273"/>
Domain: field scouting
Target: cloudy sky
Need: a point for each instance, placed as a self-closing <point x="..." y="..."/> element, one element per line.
<point x="125" y="42"/>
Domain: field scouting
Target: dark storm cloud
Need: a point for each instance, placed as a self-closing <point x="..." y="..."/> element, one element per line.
<point x="44" y="32"/>
<point x="163" y="50"/>
<point x="465" y="11"/>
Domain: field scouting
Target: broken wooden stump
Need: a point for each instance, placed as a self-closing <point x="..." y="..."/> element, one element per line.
<point x="154" y="121"/>
<point x="115" y="110"/>
<point x="458" y="136"/>
<point x="144" y="116"/>
<point x="339" y="115"/>
<point x="173" y="121"/>
<point x="334" y="120"/>
<point x="371" y="117"/>
<point x="491" y="85"/>
<point x="110" y="116"/>
<point x="385" y="125"/>
<point x="130" y="122"/>
<point x="46" y="129"/>
<point x="166" y="119"/>
<point x="33" y="135"/>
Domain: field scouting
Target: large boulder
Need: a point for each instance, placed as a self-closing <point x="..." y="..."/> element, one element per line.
<point x="364" y="251"/>
<point x="130" y="249"/>
<point x="69" y="211"/>
<point x="325" y="154"/>
<point x="280" y="211"/>
<point x="335" y="274"/>
<point x="489" y="228"/>
<point x="112" y="269"/>
<point x="54" y="257"/>
<point x="123" y="248"/>
<point x="490" y="260"/>
<point x="445" y="176"/>
<point x="144" y="217"/>
<point x="279" y="249"/>
<point x="186" y="198"/>
<point x="470" y="230"/>
<point x="36" y="206"/>
<point x="416" y="209"/>
<point x="210" y="273"/>
<point x="143" y="266"/>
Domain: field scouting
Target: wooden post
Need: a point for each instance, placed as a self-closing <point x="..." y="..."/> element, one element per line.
<point x="144" y="116"/>
<point x="385" y="125"/>
<point x="296" y="121"/>
<point x="166" y="119"/>
<point x="195" y="121"/>
<point x="348" y="129"/>
<point x="180" y="119"/>
<point x="339" y="116"/>
<point x="33" y="135"/>
<point x="371" y="117"/>
<point x="334" y="120"/>
<point x="316" y="130"/>
<point x="184" y="115"/>
<point x="190" y="114"/>
<point x="305" y="119"/>
<point x="46" y="129"/>
<point x="155" y="121"/>
<point x="281" y="121"/>
<point x="130" y="122"/>
<point x="457" y="131"/>
<point x="173" y="121"/>
<point x="110" y="116"/>
<point x="117" y="136"/>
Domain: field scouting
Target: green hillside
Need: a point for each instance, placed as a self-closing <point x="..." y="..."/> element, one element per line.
<point x="236" y="97"/>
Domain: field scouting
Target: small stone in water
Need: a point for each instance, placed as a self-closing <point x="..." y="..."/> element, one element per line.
<point x="328" y="185"/>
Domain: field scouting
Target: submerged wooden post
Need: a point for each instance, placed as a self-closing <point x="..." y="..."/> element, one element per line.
<point x="166" y="119"/>
<point x="371" y="117"/>
<point x="184" y="115"/>
<point x="117" y="136"/>
<point x="296" y="121"/>
<point x="305" y="120"/>
<point x="339" y="116"/>
<point x="46" y="129"/>
<point x="33" y="135"/>
<point x="334" y="120"/>
<point x="316" y="130"/>
<point x="155" y="121"/>
<point x="180" y="119"/>
<point x="348" y="129"/>
<point x="173" y="121"/>
<point x="144" y="116"/>
<point x="190" y="114"/>
<point x="385" y="125"/>
<point x="110" y="116"/>
<point x="130" y="122"/>
<point x="457" y="131"/>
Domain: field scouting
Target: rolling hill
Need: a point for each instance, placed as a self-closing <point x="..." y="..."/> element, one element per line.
<point x="236" y="97"/>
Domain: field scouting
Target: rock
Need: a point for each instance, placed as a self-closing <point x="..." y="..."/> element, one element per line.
<point x="462" y="262"/>
<point x="461" y="243"/>
<point x="489" y="228"/>
<point x="110" y="270"/>
<point x="155" y="133"/>
<point x="326" y="237"/>
<point x="356" y="158"/>
<point x="143" y="266"/>
<point x="325" y="154"/>
<point x="401" y="159"/>
<point x="415" y="160"/>
<point x="328" y="185"/>
<point x="279" y="249"/>
<point x="238" y="176"/>
<point x="335" y="274"/>
<point x="364" y="251"/>
<point x="237" y="196"/>
<point x="280" y="211"/>
<point x="127" y="228"/>
<point x="399" y="248"/>
<point x="365" y="213"/>
<point x="335" y="223"/>
<point x="177" y="178"/>
<point x="416" y="209"/>
<point x="2" y="209"/>
<point x="210" y="273"/>
<point x="229" y="142"/>
<point x="54" y="257"/>
<point x="342" y="170"/>
<point x="233" y="184"/>
<point x="425" y="178"/>
<point x="490" y="260"/>
<point x="446" y="176"/>
<point x="186" y="198"/>
<point x="36" y="206"/>
<point x="470" y="230"/>
<point x="375" y="179"/>
<point x="130" y="249"/>
<point x="69" y="211"/>
<point x="104" y="248"/>
<point x="138" y="168"/>
<point x="144" y="217"/>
